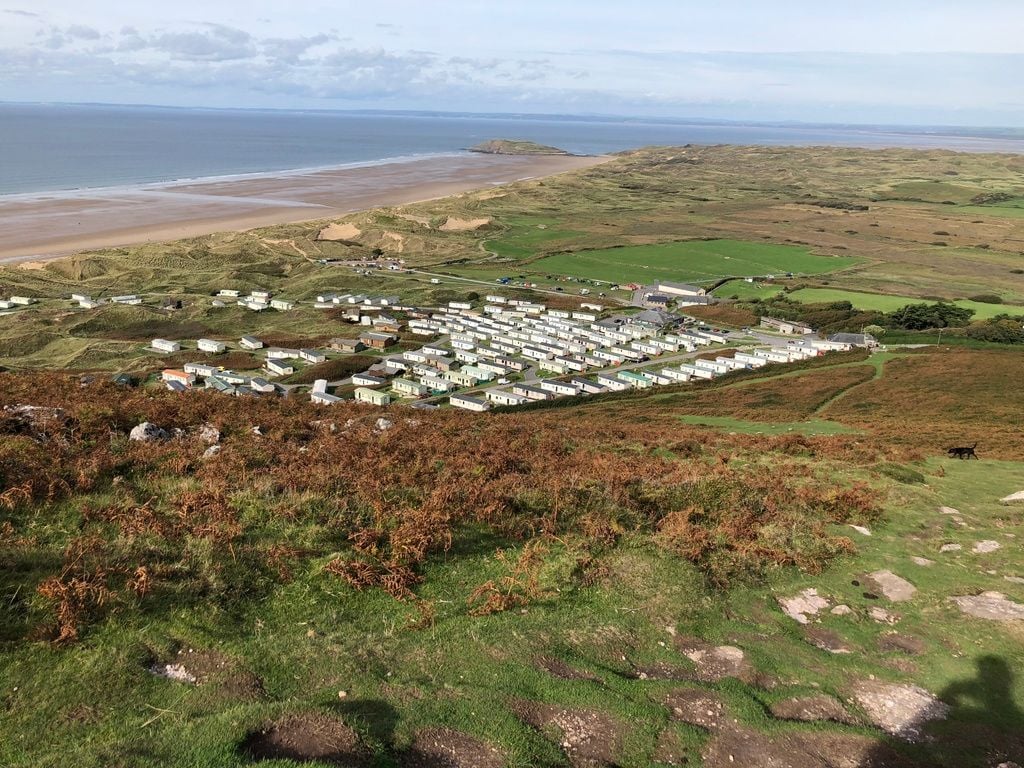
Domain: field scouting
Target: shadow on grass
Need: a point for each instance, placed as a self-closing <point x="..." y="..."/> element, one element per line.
<point x="985" y="726"/>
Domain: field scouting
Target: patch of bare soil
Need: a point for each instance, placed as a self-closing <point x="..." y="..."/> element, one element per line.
<point x="558" y="668"/>
<point x="661" y="670"/>
<point x="446" y="748"/>
<point x="305" y="738"/>
<point x="696" y="706"/>
<point x="589" y="739"/>
<point x="826" y="640"/>
<point x="205" y="667"/>
<point x="713" y="662"/>
<point x="810" y="709"/>
<point x="895" y="641"/>
<point x="732" y="744"/>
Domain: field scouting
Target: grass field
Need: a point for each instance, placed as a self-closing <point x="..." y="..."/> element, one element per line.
<point x="743" y="290"/>
<point x="888" y="303"/>
<point x="693" y="261"/>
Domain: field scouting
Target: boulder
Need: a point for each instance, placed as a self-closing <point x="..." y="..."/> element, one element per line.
<point x="894" y="587"/>
<point x="994" y="606"/>
<point x="209" y="434"/>
<point x="899" y="709"/>
<point x="147" y="432"/>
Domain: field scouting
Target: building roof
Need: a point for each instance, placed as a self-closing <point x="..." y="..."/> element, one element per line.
<point x="857" y="339"/>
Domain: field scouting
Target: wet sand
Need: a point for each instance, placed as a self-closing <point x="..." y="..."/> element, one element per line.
<point x="50" y="225"/>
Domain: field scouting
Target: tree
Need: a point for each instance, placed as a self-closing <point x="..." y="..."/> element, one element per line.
<point x="920" y="317"/>
<point x="875" y="330"/>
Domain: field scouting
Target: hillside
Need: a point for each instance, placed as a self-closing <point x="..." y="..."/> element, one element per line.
<point x="542" y="588"/>
<point x="776" y="566"/>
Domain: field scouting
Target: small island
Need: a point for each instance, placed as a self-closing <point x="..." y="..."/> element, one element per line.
<point x="516" y="147"/>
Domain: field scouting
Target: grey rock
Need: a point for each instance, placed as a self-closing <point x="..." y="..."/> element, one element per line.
<point x="147" y="432"/>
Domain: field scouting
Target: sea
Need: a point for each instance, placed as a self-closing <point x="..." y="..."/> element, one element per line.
<point x="65" y="147"/>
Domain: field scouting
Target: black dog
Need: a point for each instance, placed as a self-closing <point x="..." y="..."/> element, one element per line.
<point x="963" y="452"/>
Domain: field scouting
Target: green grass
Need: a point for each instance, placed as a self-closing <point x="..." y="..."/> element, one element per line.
<point x="695" y="261"/>
<point x="880" y="302"/>
<point x="813" y="427"/>
<point x="526" y="235"/>
<point x="746" y="291"/>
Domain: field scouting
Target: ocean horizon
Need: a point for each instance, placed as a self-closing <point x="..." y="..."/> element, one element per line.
<point x="70" y="149"/>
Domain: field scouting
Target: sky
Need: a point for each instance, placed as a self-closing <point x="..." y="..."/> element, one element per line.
<point x="908" y="62"/>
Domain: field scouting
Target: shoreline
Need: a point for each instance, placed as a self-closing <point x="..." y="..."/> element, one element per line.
<point x="40" y="227"/>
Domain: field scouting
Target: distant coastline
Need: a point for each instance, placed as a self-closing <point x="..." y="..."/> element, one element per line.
<point x="43" y="226"/>
<point x="69" y="148"/>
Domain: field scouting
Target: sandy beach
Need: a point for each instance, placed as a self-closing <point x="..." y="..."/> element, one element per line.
<point x="50" y="225"/>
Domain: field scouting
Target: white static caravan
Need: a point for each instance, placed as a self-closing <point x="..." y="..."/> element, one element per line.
<point x="201" y="369"/>
<point x="718" y="338"/>
<point x="278" y="368"/>
<point x="751" y="361"/>
<point x="675" y="374"/>
<point x="650" y="350"/>
<point x="629" y="354"/>
<point x="561" y="388"/>
<point x="163" y="345"/>
<point x="711" y="365"/>
<point x="588" y="386"/>
<point x="537" y="354"/>
<point x="210" y="345"/>
<point x="372" y="396"/>
<point x="436" y="383"/>
<point x="481" y="374"/>
<point x="572" y="364"/>
<point x="584" y="317"/>
<point x="664" y="345"/>
<point x="464" y="356"/>
<point x="831" y="346"/>
<point x="312" y="355"/>
<point x="282" y="353"/>
<point x="608" y="358"/>
<point x="731" y="363"/>
<point x="493" y="367"/>
<point x="250" y="343"/>
<point x="461" y="305"/>
<point x="368" y="380"/>
<point x="534" y="393"/>
<point x="495" y="299"/>
<point x="324" y="398"/>
<point x="692" y="339"/>
<point x="504" y="397"/>
<point x="461" y="378"/>
<point x="612" y="382"/>
<point x="554" y="367"/>
<point x="697" y="372"/>
<point x="772" y="355"/>
<point x="469" y="403"/>
<point x="409" y="388"/>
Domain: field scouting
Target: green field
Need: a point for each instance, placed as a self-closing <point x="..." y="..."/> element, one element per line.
<point x="746" y="291"/>
<point x="526" y="236"/>
<point x="886" y="303"/>
<point x="694" y="260"/>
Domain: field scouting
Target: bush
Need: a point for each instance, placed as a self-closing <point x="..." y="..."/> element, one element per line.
<point x="998" y="330"/>
<point x="919" y="317"/>
<point x="987" y="298"/>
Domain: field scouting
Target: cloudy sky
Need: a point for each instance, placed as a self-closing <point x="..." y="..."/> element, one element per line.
<point x="896" y="61"/>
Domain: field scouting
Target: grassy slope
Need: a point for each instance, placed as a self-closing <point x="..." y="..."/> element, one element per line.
<point x="311" y="637"/>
